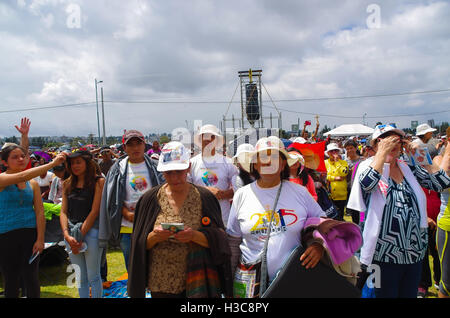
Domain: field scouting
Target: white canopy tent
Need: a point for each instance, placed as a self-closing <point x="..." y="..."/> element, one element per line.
<point x="350" y="130"/>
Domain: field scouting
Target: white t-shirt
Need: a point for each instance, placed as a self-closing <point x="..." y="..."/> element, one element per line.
<point x="138" y="182"/>
<point x="45" y="182"/>
<point x="214" y="172"/>
<point x="252" y="206"/>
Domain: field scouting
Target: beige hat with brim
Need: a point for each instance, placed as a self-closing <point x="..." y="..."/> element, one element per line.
<point x="209" y="129"/>
<point x="244" y="155"/>
<point x="270" y="143"/>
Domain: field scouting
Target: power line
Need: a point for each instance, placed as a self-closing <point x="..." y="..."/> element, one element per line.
<point x="45" y="107"/>
<point x="271" y="100"/>
<point x="287" y="100"/>
<point x="358" y="117"/>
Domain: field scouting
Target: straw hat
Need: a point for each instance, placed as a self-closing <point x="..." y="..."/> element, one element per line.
<point x="270" y="143"/>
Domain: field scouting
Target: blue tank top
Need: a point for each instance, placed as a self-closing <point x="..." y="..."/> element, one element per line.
<point x="16" y="208"/>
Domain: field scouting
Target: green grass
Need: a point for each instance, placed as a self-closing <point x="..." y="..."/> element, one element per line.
<point x="53" y="279"/>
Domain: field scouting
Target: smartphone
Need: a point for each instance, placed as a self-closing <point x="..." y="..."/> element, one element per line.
<point x="173" y="227"/>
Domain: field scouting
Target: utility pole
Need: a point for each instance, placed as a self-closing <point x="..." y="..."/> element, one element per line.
<point x="103" y="115"/>
<point x="96" y="99"/>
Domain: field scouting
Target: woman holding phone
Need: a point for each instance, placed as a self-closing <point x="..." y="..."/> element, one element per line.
<point x="190" y="262"/>
<point x="22" y="221"/>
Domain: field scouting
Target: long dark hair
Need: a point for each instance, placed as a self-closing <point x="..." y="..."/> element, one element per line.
<point x="90" y="176"/>
<point x="245" y="176"/>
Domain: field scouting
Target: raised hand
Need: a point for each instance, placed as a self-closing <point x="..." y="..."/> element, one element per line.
<point x="24" y="128"/>
<point x="60" y="158"/>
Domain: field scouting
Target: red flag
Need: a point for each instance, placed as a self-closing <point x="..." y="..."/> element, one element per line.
<point x="314" y="155"/>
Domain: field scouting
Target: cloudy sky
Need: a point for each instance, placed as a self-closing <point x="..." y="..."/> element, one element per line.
<point x="166" y="64"/>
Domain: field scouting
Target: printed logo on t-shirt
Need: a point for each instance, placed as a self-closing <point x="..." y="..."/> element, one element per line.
<point x="139" y="184"/>
<point x="282" y="219"/>
<point x="209" y="178"/>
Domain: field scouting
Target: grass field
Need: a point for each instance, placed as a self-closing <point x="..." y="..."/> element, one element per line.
<point x="53" y="278"/>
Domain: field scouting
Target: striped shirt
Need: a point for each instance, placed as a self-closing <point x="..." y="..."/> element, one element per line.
<point x="401" y="239"/>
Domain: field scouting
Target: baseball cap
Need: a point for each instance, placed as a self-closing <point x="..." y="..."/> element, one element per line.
<point x="174" y="156"/>
<point x="80" y="153"/>
<point x="423" y="129"/>
<point x="104" y="148"/>
<point x="132" y="134"/>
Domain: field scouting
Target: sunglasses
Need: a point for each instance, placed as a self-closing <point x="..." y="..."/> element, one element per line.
<point x="387" y="125"/>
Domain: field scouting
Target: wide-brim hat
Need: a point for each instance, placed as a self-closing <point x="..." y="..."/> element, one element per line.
<point x="208" y="129"/>
<point x="244" y="155"/>
<point x="174" y="156"/>
<point x="270" y="143"/>
<point x="332" y="146"/>
<point x="423" y="129"/>
<point x="297" y="157"/>
<point x="381" y="130"/>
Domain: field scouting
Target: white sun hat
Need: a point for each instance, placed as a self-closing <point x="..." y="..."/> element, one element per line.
<point x="423" y="129"/>
<point x="297" y="157"/>
<point x="300" y="140"/>
<point x="208" y="129"/>
<point x="270" y="143"/>
<point x="174" y="156"/>
<point x="244" y="155"/>
<point x="332" y="146"/>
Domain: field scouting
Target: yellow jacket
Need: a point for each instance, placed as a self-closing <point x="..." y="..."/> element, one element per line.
<point x="337" y="169"/>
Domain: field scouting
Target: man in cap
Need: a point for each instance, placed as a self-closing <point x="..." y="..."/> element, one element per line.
<point x="120" y="193"/>
<point x="106" y="159"/>
<point x="425" y="133"/>
<point x="213" y="170"/>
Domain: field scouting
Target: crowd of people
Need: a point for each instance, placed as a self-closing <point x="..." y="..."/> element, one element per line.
<point x="198" y="222"/>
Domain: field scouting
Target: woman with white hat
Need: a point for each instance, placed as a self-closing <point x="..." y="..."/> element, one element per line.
<point x="269" y="207"/>
<point x="337" y="171"/>
<point x="242" y="159"/>
<point x="211" y="169"/>
<point x="395" y="230"/>
<point x="298" y="173"/>
<point x="179" y="247"/>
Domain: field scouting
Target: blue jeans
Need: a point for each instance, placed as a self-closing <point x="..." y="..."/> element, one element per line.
<point x="125" y="245"/>
<point x="89" y="264"/>
<point x="398" y="281"/>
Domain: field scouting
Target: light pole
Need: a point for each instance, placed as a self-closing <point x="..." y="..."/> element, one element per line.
<point x="103" y="116"/>
<point x="96" y="99"/>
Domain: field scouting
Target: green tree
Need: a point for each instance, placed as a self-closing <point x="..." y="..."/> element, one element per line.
<point x="164" y="139"/>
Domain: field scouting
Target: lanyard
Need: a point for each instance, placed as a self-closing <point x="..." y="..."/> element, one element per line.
<point x="263" y="279"/>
